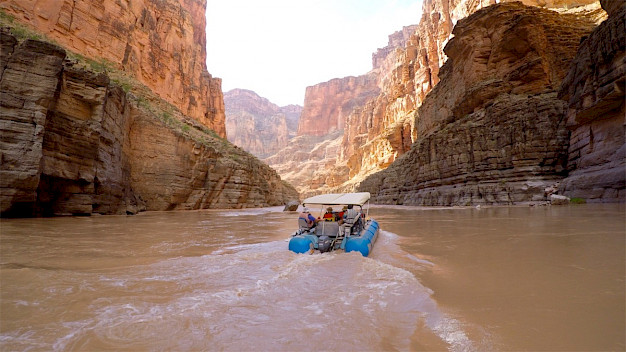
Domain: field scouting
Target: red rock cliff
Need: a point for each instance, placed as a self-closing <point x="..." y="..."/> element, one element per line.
<point x="161" y="43"/>
<point x="327" y="105"/>
<point x="384" y="128"/>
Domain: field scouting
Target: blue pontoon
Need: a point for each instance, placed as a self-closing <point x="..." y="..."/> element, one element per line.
<point x="354" y="232"/>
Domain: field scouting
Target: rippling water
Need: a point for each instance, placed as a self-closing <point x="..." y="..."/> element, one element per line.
<point x="549" y="278"/>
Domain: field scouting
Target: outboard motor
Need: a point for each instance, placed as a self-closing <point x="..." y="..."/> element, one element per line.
<point x="324" y="244"/>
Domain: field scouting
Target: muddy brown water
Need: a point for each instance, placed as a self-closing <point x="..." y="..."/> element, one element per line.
<point x="490" y="279"/>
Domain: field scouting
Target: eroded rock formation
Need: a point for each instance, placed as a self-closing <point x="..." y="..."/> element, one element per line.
<point x="594" y="90"/>
<point x="74" y="143"/>
<point x="327" y="105"/>
<point x="492" y="130"/>
<point x="256" y="124"/>
<point x="160" y="43"/>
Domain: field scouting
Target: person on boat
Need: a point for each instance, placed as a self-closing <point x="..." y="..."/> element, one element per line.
<point x="310" y="219"/>
<point x="340" y="214"/>
<point x="329" y="215"/>
<point x="351" y="216"/>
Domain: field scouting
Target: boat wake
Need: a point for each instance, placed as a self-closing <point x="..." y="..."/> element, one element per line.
<point x="257" y="297"/>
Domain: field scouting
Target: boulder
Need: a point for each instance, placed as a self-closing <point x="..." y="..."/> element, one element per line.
<point x="557" y="199"/>
<point x="292" y="205"/>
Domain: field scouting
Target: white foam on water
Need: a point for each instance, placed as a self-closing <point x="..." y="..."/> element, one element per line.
<point x="262" y="297"/>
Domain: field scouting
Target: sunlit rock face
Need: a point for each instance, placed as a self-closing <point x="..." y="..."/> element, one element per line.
<point x="161" y="43"/>
<point x="492" y="131"/>
<point x="594" y="91"/>
<point x="305" y="161"/>
<point x="256" y="124"/>
<point x="327" y="105"/>
<point x="75" y="143"/>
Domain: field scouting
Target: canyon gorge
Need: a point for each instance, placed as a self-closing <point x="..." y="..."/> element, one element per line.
<point x="108" y="108"/>
<point x="477" y="104"/>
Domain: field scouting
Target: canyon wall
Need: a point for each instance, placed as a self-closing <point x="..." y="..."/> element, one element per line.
<point x="256" y="124"/>
<point x="594" y="90"/>
<point x="493" y="130"/>
<point x="160" y="43"/>
<point x="75" y="143"/>
<point x="384" y="128"/>
<point x="327" y="105"/>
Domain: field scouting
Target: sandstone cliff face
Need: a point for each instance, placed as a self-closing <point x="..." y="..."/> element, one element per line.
<point x="594" y="90"/>
<point x="492" y="130"/>
<point x="74" y="143"/>
<point x="327" y="105"/>
<point x="257" y="125"/>
<point x="161" y="43"/>
<point x="384" y="128"/>
<point x="305" y="162"/>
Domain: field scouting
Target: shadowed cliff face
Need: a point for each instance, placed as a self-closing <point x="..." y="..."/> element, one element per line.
<point x="594" y="91"/>
<point x="257" y="125"/>
<point x="160" y="43"/>
<point x="74" y="143"/>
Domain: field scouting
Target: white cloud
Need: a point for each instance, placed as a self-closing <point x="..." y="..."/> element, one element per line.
<point x="279" y="47"/>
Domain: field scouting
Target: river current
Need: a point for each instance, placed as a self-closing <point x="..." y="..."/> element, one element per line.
<point x="467" y="279"/>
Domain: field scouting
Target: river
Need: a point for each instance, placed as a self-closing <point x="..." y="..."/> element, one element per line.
<point x="466" y="279"/>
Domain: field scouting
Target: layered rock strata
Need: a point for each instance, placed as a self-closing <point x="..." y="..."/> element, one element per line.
<point x="256" y="124"/>
<point x="327" y="105"/>
<point x="305" y="160"/>
<point x="492" y="130"/>
<point x="384" y="128"/>
<point x="160" y="43"/>
<point x="594" y="90"/>
<point x="74" y="143"/>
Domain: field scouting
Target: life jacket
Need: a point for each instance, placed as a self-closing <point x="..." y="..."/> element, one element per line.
<point x="329" y="217"/>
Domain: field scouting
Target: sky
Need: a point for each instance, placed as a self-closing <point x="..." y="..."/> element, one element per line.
<point x="277" y="48"/>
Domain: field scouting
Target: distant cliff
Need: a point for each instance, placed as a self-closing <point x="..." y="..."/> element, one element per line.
<point x="160" y="43"/>
<point x="256" y="124"/>
<point x="327" y="105"/>
<point x="493" y="130"/>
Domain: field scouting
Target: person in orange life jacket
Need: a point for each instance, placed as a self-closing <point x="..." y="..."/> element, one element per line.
<point x="329" y="215"/>
<point x="310" y="219"/>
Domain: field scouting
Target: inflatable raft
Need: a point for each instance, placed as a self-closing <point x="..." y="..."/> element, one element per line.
<point x="350" y="229"/>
